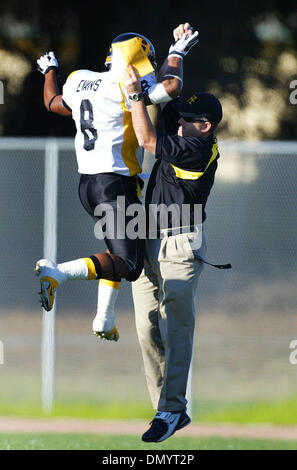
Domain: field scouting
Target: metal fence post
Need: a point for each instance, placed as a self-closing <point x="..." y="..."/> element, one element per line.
<point x="49" y="252"/>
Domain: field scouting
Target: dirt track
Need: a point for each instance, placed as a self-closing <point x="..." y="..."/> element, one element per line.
<point x="61" y="425"/>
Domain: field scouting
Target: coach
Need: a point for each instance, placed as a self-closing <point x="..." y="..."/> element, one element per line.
<point x="164" y="294"/>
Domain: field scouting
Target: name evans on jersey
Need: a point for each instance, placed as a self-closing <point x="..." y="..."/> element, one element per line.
<point x="105" y="141"/>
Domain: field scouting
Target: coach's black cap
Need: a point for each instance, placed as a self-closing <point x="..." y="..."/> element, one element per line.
<point x="201" y="105"/>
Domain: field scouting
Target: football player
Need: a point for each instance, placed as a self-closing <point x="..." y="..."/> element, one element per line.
<point x="109" y="160"/>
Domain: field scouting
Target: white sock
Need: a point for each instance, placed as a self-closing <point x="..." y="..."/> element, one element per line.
<point x="107" y="296"/>
<point x="76" y="269"/>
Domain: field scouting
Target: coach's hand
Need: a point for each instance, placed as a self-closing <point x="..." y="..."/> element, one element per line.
<point x="47" y="62"/>
<point x="131" y="81"/>
<point x="185" y="39"/>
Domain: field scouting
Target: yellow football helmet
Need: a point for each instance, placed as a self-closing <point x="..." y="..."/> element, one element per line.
<point x="146" y="45"/>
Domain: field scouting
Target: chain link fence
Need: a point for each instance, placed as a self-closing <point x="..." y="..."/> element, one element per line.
<point x="246" y="316"/>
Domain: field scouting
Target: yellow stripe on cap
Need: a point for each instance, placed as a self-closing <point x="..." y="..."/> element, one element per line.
<point x="91" y="269"/>
<point x="114" y="284"/>
<point x="192" y="99"/>
<point x="195" y="175"/>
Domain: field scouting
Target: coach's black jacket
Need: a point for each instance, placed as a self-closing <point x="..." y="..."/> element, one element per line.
<point x="185" y="168"/>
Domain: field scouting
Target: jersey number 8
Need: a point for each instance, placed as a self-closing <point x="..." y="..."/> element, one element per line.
<point x="89" y="132"/>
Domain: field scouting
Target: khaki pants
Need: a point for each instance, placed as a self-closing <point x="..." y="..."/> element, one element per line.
<point x="164" y="297"/>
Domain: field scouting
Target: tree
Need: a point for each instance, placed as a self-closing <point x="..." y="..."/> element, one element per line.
<point x="247" y="56"/>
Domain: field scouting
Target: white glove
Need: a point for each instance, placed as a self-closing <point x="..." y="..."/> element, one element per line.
<point x="47" y="62"/>
<point x="182" y="46"/>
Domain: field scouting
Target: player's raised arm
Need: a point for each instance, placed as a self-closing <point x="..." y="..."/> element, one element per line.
<point x="170" y="76"/>
<point x="47" y="64"/>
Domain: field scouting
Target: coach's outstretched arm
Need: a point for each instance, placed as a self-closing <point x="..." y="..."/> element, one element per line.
<point x="142" y="124"/>
<point x="48" y="66"/>
<point x="170" y="76"/>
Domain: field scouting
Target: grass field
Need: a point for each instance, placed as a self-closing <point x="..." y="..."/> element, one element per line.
<point x="96" y="442"/>
<point x="282" y="412"/>
<point x="242" y="376"/>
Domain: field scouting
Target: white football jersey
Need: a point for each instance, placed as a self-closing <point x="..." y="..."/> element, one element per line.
<point x="105" y="140"/>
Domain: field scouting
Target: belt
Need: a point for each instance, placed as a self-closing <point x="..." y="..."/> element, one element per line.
<point x="193" y="228"/>
<point x="219" y="266"/>
<point x="171" y="232"/>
